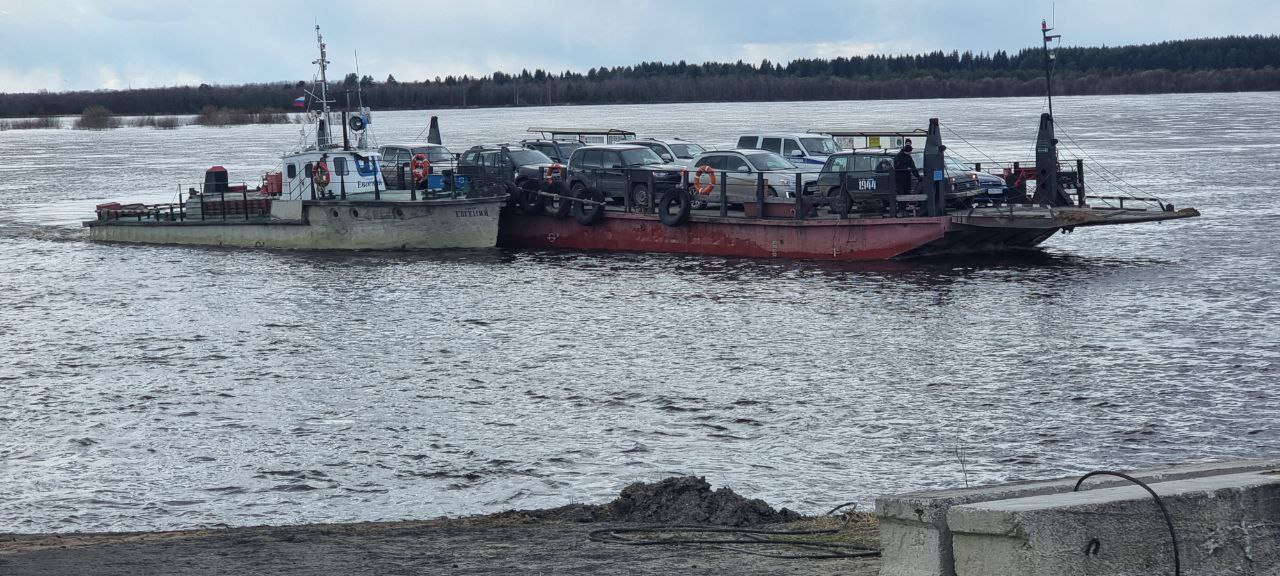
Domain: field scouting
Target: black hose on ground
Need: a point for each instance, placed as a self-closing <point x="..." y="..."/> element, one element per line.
<point x="1173" y="535"/>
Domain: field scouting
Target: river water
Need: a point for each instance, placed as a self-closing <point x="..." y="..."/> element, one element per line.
<point x="154" y="387"/>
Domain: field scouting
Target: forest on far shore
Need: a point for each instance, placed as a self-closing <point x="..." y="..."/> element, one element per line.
<point x="1231" y="64"/>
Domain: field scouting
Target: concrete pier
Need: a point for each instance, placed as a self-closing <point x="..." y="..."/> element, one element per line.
<point x="917" y="536"/>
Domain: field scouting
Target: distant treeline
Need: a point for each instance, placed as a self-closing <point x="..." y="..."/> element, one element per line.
<point x="1232" y="64"/>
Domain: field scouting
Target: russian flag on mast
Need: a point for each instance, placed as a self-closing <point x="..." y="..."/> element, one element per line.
<point x="300" y="102"/>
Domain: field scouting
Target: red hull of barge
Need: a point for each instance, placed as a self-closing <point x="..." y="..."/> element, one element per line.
<point x="826" y="239"/>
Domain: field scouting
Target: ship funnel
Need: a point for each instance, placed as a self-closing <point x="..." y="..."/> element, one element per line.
<point x="433" y="132"/>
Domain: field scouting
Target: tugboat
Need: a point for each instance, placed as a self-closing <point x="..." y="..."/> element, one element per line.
<point x="328" y="196"/>
<point x="861" y="217"/>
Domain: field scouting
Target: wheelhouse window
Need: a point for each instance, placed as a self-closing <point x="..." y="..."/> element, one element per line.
<point x="291" y="170"/>
<point x="340" y="165"/>
<point x="307" y="169"/>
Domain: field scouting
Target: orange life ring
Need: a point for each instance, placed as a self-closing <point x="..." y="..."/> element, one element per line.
<point x="320" y="174"/>
<point x="554" y="170"/>
<point x="704" y="189"/>
<point x="420" y="167"/>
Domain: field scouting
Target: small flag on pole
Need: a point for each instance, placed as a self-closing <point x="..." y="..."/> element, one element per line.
<point x="300" y="102"/>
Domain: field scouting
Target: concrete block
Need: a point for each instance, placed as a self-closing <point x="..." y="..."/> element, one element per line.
<point x="916" y="540"/>
<point x="1226" y="525"/>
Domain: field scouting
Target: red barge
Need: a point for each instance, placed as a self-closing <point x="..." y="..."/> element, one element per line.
<point x="839" y="215"/>
<point x="852" y="221"/>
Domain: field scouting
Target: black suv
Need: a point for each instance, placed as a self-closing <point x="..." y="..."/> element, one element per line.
<point x="506" y="166"/>
<point x="620" y="169"/>
<point x="869" y="177"/>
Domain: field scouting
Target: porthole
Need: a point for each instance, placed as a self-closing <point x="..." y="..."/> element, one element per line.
<point x="355" y="213"/>
<point x="334" y="212"/>
<point x="398" y="212"/>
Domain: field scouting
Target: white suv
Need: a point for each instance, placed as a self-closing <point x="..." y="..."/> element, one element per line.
<point x="808" y="151"/>
<point x="674" y="151"/>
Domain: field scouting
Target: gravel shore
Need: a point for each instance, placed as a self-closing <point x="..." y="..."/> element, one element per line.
<point x="489" y="545"/>
<point x="555" y="541"/>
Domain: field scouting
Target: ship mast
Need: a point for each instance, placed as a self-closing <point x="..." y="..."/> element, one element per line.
<point x="1048" y="62"/>
<point x="1048" y="187"/>
<point x="322" y="132"/>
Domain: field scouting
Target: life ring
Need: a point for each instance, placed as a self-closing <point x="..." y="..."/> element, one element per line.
<point x="553" y="171"/>
<point x="704" y="189"/>
<point x="420" y="167"/>
<point x="320" y="174"/>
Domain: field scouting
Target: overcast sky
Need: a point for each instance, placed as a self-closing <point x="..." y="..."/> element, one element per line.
<point x="74" y="45"/>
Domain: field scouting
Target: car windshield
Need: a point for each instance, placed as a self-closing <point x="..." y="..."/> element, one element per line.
<point x="953" y="165"/>
<point x="435" y="153"/>
<point x="687" y="150"/>
<point x="820" y="146"/>
<point x="527" y="157"/>
<point x="767" y="161"/>
<point x="639" y="157"/>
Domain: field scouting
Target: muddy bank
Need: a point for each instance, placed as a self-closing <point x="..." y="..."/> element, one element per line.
<point x="554" y="541"/>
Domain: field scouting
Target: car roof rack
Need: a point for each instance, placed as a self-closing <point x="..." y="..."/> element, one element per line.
<point x="605" y="135"/>
<point x="863" y="138"/>
<point x="863" y="133"/>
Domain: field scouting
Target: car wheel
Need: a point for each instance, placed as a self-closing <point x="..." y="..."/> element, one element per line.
<point x="839" y="200"/>
<point x="640" y="196"/>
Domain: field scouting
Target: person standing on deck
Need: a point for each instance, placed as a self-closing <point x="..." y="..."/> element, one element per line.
<point x="904" y="167"/>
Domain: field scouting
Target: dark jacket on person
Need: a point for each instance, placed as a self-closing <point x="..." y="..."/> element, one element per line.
<point x="904" y="167"/>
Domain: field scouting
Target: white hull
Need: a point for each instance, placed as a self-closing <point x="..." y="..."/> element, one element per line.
<point x="327" y="225"/>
